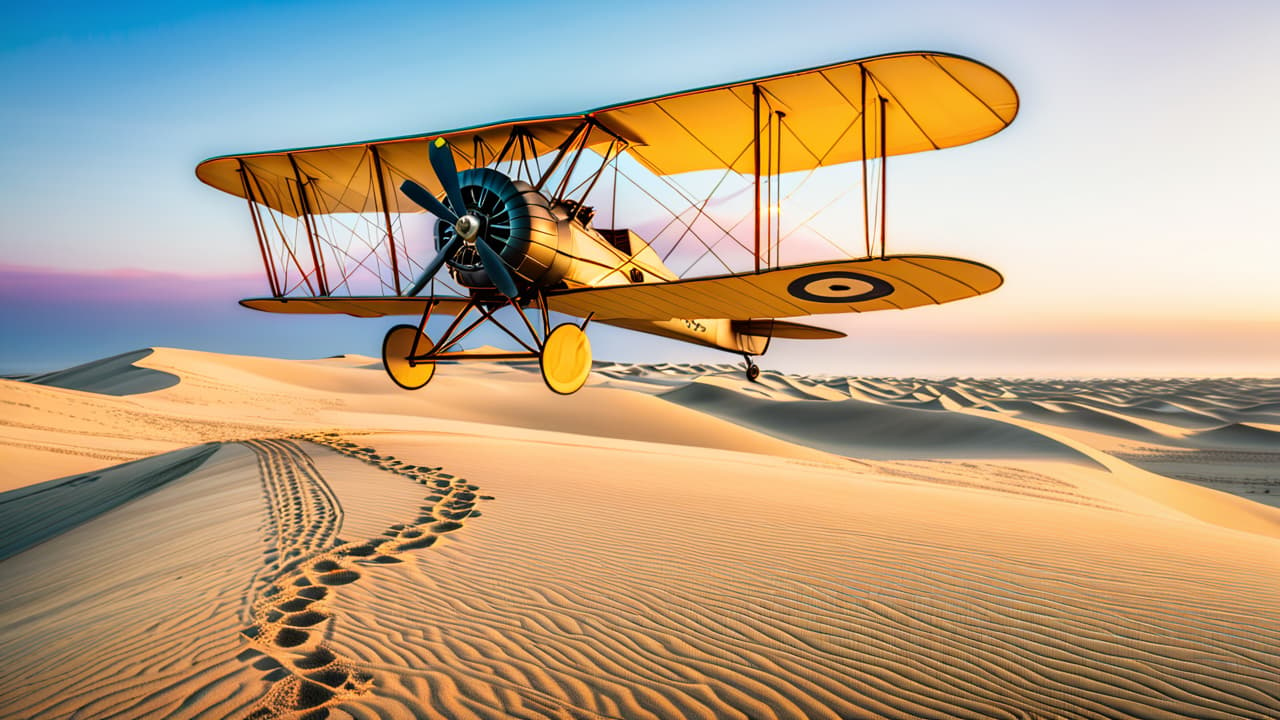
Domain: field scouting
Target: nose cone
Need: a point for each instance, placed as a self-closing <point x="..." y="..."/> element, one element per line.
<point x="467" y="227"/>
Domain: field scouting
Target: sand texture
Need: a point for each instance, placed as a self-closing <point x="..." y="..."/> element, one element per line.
<point x="186" y="534"/>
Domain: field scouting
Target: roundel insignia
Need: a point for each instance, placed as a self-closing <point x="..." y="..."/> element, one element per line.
<point x="838" y="286"/>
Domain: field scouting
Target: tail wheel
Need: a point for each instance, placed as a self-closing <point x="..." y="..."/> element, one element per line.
<point x="397" y="347"/>
<point x="566" y="359"/>
<point x="753" y="371"/>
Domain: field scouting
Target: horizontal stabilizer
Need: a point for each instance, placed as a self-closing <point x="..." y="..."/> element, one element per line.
<point x="785" y="329"/>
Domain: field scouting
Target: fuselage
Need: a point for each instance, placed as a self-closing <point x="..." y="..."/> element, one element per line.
<point x="551" y="244"/>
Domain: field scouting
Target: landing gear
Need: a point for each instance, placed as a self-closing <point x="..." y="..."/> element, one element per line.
<point x="410" y="356"/>
<point x="566" y="359"/>
<point x="397" y="347"/>
<point x="753" y="370"/>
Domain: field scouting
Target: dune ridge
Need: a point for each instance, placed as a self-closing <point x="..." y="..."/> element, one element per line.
<point x="116" y="375"/>
<point x="133" y="612"/>
<point x="35" y="513"/>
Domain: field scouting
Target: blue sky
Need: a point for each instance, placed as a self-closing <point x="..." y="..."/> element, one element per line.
<point x="1130" y="206"/>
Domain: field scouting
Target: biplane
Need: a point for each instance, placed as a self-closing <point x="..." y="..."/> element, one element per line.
<point x="509" y="208"/>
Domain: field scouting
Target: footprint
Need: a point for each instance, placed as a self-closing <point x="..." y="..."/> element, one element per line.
<point x="317" y="658"/>
<point x="311" y="694"/>
<point x="314" y="592"/>
<point x="333" y="677"/>
<point x="362" y="550"/>
<point x="290" y="637"/>
<point x="339" y="577"/>
<point x="417" y="543"/>
<point x="295" y="604"/>
<point x="305" y="619"/>
<point x="310" y="558"/>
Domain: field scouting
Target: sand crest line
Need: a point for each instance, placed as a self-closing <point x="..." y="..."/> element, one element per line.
<point x="289" y="615"/>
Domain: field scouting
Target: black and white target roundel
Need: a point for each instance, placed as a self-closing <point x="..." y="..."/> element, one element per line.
<point x="838" y="286"/>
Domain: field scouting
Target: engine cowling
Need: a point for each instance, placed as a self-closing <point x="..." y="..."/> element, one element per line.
<point x="518" y="223"/>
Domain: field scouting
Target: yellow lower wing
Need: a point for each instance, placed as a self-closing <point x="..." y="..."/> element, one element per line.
<point x="373" y="306"/>
<point x="896" y="282"/>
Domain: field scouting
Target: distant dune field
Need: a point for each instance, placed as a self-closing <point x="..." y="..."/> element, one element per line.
<point x="186" y="534"/>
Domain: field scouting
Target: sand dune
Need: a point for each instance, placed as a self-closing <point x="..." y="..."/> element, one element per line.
<point x="860" y="429"/>
<point x="271" y="538"/>
<point x="1238" y="435"/>
<point x="110" y="376"/>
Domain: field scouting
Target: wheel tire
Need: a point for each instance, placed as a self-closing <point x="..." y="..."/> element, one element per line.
<point x="396" y="347"/>
<point x="753" y="372"/>
<point x="566" y="359"/>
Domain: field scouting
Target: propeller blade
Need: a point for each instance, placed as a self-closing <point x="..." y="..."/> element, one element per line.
<point x="429" y="202"/>
<point x="434" y="266"/>
<point x="441" y="156"/>
<point x="496" y="268"/>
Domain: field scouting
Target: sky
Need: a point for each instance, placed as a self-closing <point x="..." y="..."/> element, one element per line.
<point x="1130" y="207"/>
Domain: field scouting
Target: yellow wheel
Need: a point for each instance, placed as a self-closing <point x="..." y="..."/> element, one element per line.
<point x="566" y="359"/>
<point x="396" y="347"/>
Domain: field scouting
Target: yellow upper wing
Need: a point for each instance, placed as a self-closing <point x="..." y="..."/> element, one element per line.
<point x="345" y="178"/>
<point x="934" y="100"/>
<point x="896" y="282"/>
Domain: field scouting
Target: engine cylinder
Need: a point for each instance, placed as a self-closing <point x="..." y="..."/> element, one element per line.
<point x="517" y="222"/>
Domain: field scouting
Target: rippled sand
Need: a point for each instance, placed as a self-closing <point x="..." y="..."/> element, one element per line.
<point x="198" y="535"/>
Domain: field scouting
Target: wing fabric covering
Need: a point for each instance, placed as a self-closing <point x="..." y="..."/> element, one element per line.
<point x="932" y="100"/>
<point x="365" y="307"/>
<point x="344" y="178"/>
<point x="892" y="283"/>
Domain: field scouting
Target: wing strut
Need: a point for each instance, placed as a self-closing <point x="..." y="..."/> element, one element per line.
<point x="565" y="148"/>
<point x="772" y="172"/>
<point x="882" y="151"/>
<point x="307" y="220"/>
<point x="884" y="177"/>
<point x="755" y="142"/>
<point x="866" y="217"/>
<point x="386" y="215"/>
<point x="257" y="230"/>
<point x="775" y="215"/>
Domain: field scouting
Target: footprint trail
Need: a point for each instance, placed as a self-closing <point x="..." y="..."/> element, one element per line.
<point x="290" y="617"/>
